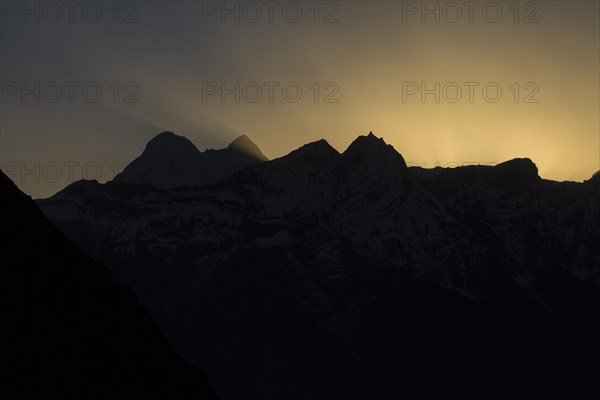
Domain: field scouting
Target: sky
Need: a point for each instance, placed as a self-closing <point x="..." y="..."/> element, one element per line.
<point x="85" y="86"/>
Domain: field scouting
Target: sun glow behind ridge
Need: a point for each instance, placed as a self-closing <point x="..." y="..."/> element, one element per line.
<point x="369" y="54"/>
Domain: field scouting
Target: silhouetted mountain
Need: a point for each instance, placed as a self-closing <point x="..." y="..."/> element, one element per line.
<point x="322" y="275"/>
<point x="170" y="160"/>
<point x="71" y="331"/>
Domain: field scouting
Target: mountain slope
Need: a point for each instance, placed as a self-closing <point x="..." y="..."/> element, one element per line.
<point x="72" y="332"/>
<point x="352" y="276"/>
<point x="170" y="160"/>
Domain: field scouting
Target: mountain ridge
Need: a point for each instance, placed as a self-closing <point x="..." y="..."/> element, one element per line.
<point x="469" y="282"/>
<point x="170" y="160"/>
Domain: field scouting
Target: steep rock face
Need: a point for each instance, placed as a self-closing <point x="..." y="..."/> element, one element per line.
<point x="170" y="160"/>
<point x="300" y="183"/>
<point x="73" y="332"/>
<point x="372" y="186"/>
<point x="352" y="276"/>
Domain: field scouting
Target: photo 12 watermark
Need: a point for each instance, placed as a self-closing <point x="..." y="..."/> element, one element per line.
<point x="59" y="172"/>
<point x="452" y="12"/>
<point x="69" y="12"/>
<point x="68" y="92"/>
<point x="471" y="92"/>
<point x="269" y="92"/>
<point x="253" y="12"/>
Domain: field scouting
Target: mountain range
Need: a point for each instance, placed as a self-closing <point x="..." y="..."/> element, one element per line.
<point x="326" y="275"/>
<point x="170" y="160"/>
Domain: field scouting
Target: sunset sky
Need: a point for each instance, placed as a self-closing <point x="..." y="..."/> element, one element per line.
<point x="367" y="60"/>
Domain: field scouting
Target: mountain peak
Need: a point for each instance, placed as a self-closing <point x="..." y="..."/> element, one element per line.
<point x="319" y="150"/>
<point x="170" y="160"/>
<point x="522" y="166"/>
<point x="517" y="173"/>
<point x="169" y="142"/>
<point x="167" y="134"/>
<point x="243" y="144"/>
<point x="368" y="140"/>
<point x="241" y="141"/>
<point x="373" y="149"/>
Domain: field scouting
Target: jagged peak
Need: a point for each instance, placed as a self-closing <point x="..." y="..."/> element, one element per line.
<point x="369" y="140"/>
<point x="371" y="147"/>
<point x="244" y="144"/>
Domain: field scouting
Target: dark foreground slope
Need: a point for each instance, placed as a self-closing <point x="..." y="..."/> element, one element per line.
<point x="323" y="275"/>
<point x="71" y="332"/>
